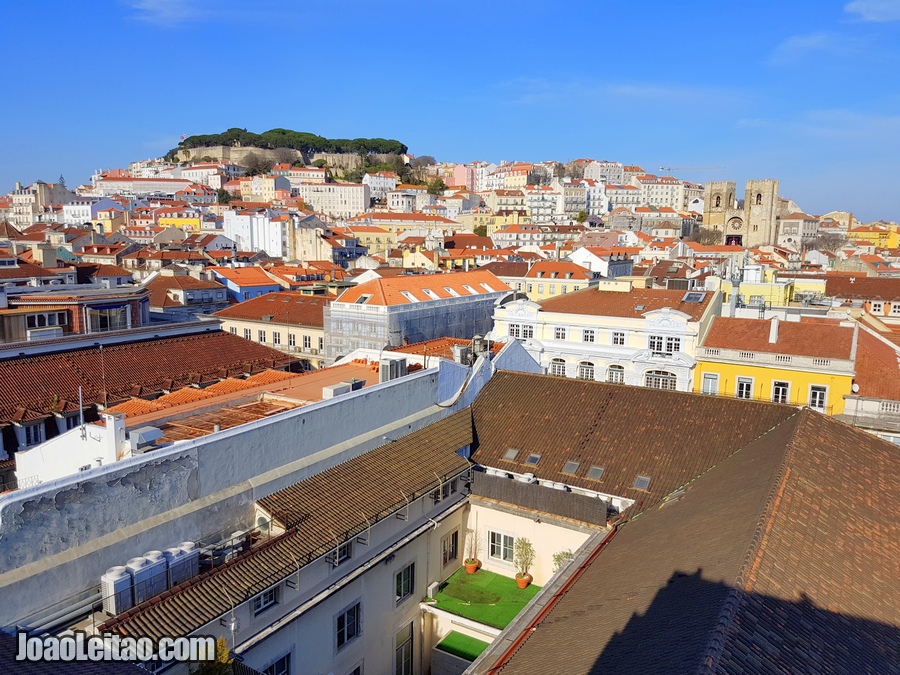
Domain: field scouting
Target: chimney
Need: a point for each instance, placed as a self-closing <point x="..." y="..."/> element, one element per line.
<point x="773" y="330"/>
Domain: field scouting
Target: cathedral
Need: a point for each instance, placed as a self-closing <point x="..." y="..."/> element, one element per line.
<point x="751" y="223"/>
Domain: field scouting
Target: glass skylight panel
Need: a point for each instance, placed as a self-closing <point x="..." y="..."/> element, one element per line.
<point x="570" y="467"/>
<point x="641" y="482"/>
<point x="409" y="296"/>
<point x="533" y="458"/>
<point x="595" y="472"/>
<point x="510" y="454"/>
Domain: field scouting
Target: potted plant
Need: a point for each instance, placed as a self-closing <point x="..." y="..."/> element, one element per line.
<point x="523" y="558"/>
<point x="472" y="562"/>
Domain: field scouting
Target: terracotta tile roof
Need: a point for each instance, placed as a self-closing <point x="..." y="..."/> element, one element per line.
<point x="284" y="307"/>
<point x="245" y="276"/>
<point x="506" y="269"/>
<point x="442" y="347"/>
<point x="862" y="288"/>
<point x="25" y="270"/>
<point x="780" y="555"/>
<point x="594" y="302"/>
<point x="389" y="291"/>
<point x="800" y="338"/>
<point x="626" y="430"/>
<point x="8" y="231"/>
<point x="557" y="269"/>
<point x="337" y="503"/>
<point x="877" y="367"/>
<point x="136" y="368"/>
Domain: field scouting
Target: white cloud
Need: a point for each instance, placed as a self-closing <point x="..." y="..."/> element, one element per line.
<point x="167" y="13"/>
<point x="875" y="10"/>
<point x="796" y="47"/>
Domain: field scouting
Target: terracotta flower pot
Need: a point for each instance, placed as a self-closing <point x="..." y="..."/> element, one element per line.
<point x="472" y="565"/>
<point x="523" y="580"/>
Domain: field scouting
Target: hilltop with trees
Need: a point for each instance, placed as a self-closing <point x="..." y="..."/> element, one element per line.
<point x="301" y="141"/>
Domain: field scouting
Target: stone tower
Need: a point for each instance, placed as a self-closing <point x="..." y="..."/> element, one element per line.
<point x="761" y="212"/>
<point x="719" y="207"/>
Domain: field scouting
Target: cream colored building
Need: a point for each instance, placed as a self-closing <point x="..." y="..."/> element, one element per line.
<point x="614" y="333"/>
<point x="338" y="200"/>
<point x="288" y="321"/>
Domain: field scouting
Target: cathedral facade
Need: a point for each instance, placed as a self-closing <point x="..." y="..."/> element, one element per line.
<point x="751" y="223"/>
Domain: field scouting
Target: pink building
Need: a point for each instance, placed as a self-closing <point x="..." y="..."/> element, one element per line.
<point x="464" y="174"/>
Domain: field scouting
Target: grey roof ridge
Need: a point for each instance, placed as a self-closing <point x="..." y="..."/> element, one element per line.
<point x="716" y="643"/>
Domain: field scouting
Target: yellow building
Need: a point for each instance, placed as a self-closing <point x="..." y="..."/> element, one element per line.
<point x="883" y="236"/>
<point x="377" y="240"/>
<point x="802" y="363"/>
<point x="544" y="279"/>
<point x="776" y="293"/>
<point x="188" y="221"/>
<point x="111" y="220"/>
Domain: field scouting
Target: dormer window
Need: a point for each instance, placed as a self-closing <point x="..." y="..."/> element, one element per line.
<point x="409" y="296"/>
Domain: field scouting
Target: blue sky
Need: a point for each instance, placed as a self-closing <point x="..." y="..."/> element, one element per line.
<point x="806" y="91"/>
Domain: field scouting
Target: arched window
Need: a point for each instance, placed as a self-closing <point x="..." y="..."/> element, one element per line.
<point x="558" y="367"/>
<point x="585" y="370"/>
<point x="660" y="379"/>
<point x="615" y="375"/>
<point x="718" y="201"/>
<point x="759" y="198"/>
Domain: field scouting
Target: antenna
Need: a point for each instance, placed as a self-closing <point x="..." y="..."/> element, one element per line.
<point x="103" y="376"/>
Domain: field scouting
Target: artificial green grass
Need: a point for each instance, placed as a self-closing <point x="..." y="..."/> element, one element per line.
<point x="485" y="597"/>
<point x="463" y="646"/>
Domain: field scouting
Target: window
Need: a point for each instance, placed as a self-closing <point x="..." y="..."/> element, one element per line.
<point x="321" y="343"/>
<point x="780" y="392"/>
<point x="895" y="308"/>
<point x="564" y="289"/>
<point x="363" y="299"/>
<point x="559" y="333"/>
<point x="540" y="288"/>
<point x="247" y="334"/>
<point x="261" y="335"/>
<point x="817" y="397"/>
<point x="656" y="344"/>
<point x="276" y="338"/>
<point x="718" y="201"/>
<point x="246" y="295"/>
<point x="510" y="454"/>
<point x="280" y="666"/>
<point x="409" y="296"/>
<point x="552" y="289"/>
<point x="533" y="459"/>
<point x="265" y="600"/>
<point x="501" y="546"/>
<point x="641" y="482"/>
<point x="348" y="625"/>
<point x="744" y="387"/>
<point x="877" y="308"/>
<point x="758" y="198"/>
<point x="450" y="547"/>
<point x="710" y="384"/>
<point x="595" y="473"/>
<point x="615" y="375"/>
<point x="344" y="552"/>
<point x="570" y="467"/>
<point x="521" y="331"/>
<point x="618" y="338"/>
<point x="585" y="370"/>
<point x="588" y="335"/>
<point x="673" y="344"/>
<point x="233" y="330"/>
<point x="405" y="581"/>
<point x="558" y="367"/>
<point x="34" y="434"/>
<point x="72" y="422"/>
<point x="292" y="340"/>
<point x="403" y="651"/>
<point x="660" y="379"/>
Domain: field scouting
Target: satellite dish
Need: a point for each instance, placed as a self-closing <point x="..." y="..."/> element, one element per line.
<point x="855" y="388"/>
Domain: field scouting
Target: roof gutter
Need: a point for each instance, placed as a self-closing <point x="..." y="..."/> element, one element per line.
<point x="533" y="624"/>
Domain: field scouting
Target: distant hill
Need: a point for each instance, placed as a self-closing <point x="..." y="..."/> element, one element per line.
<point x="304" y="142"/>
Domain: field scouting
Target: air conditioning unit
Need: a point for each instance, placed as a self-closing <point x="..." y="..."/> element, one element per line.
<point x="140" y="577"/>
<point x="314" y="351"/>
<point x="157" y="573"/>
<point x="116" y="588"/>
<point x="433" y="588"/>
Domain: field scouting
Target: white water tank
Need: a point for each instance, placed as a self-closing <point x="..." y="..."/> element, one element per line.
<point x="140" y="577"/>
<point x="193" y="556"/>
<point x="116" y="588"/>
<point x="157" y="570"/>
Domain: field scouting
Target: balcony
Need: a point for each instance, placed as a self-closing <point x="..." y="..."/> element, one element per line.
<point x="791" y="361"/>
<point x="485" y="597"/>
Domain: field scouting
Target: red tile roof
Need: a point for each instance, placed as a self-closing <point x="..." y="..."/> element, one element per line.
<point x="285" y="307"/>
<point x="820" y="339"/>
<point x="634" y="304"/>
<point x="862" y="288"/>
<point x="125" y="370"/>
<point x="877" y="367"/>
<point x="390" y="291"/>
